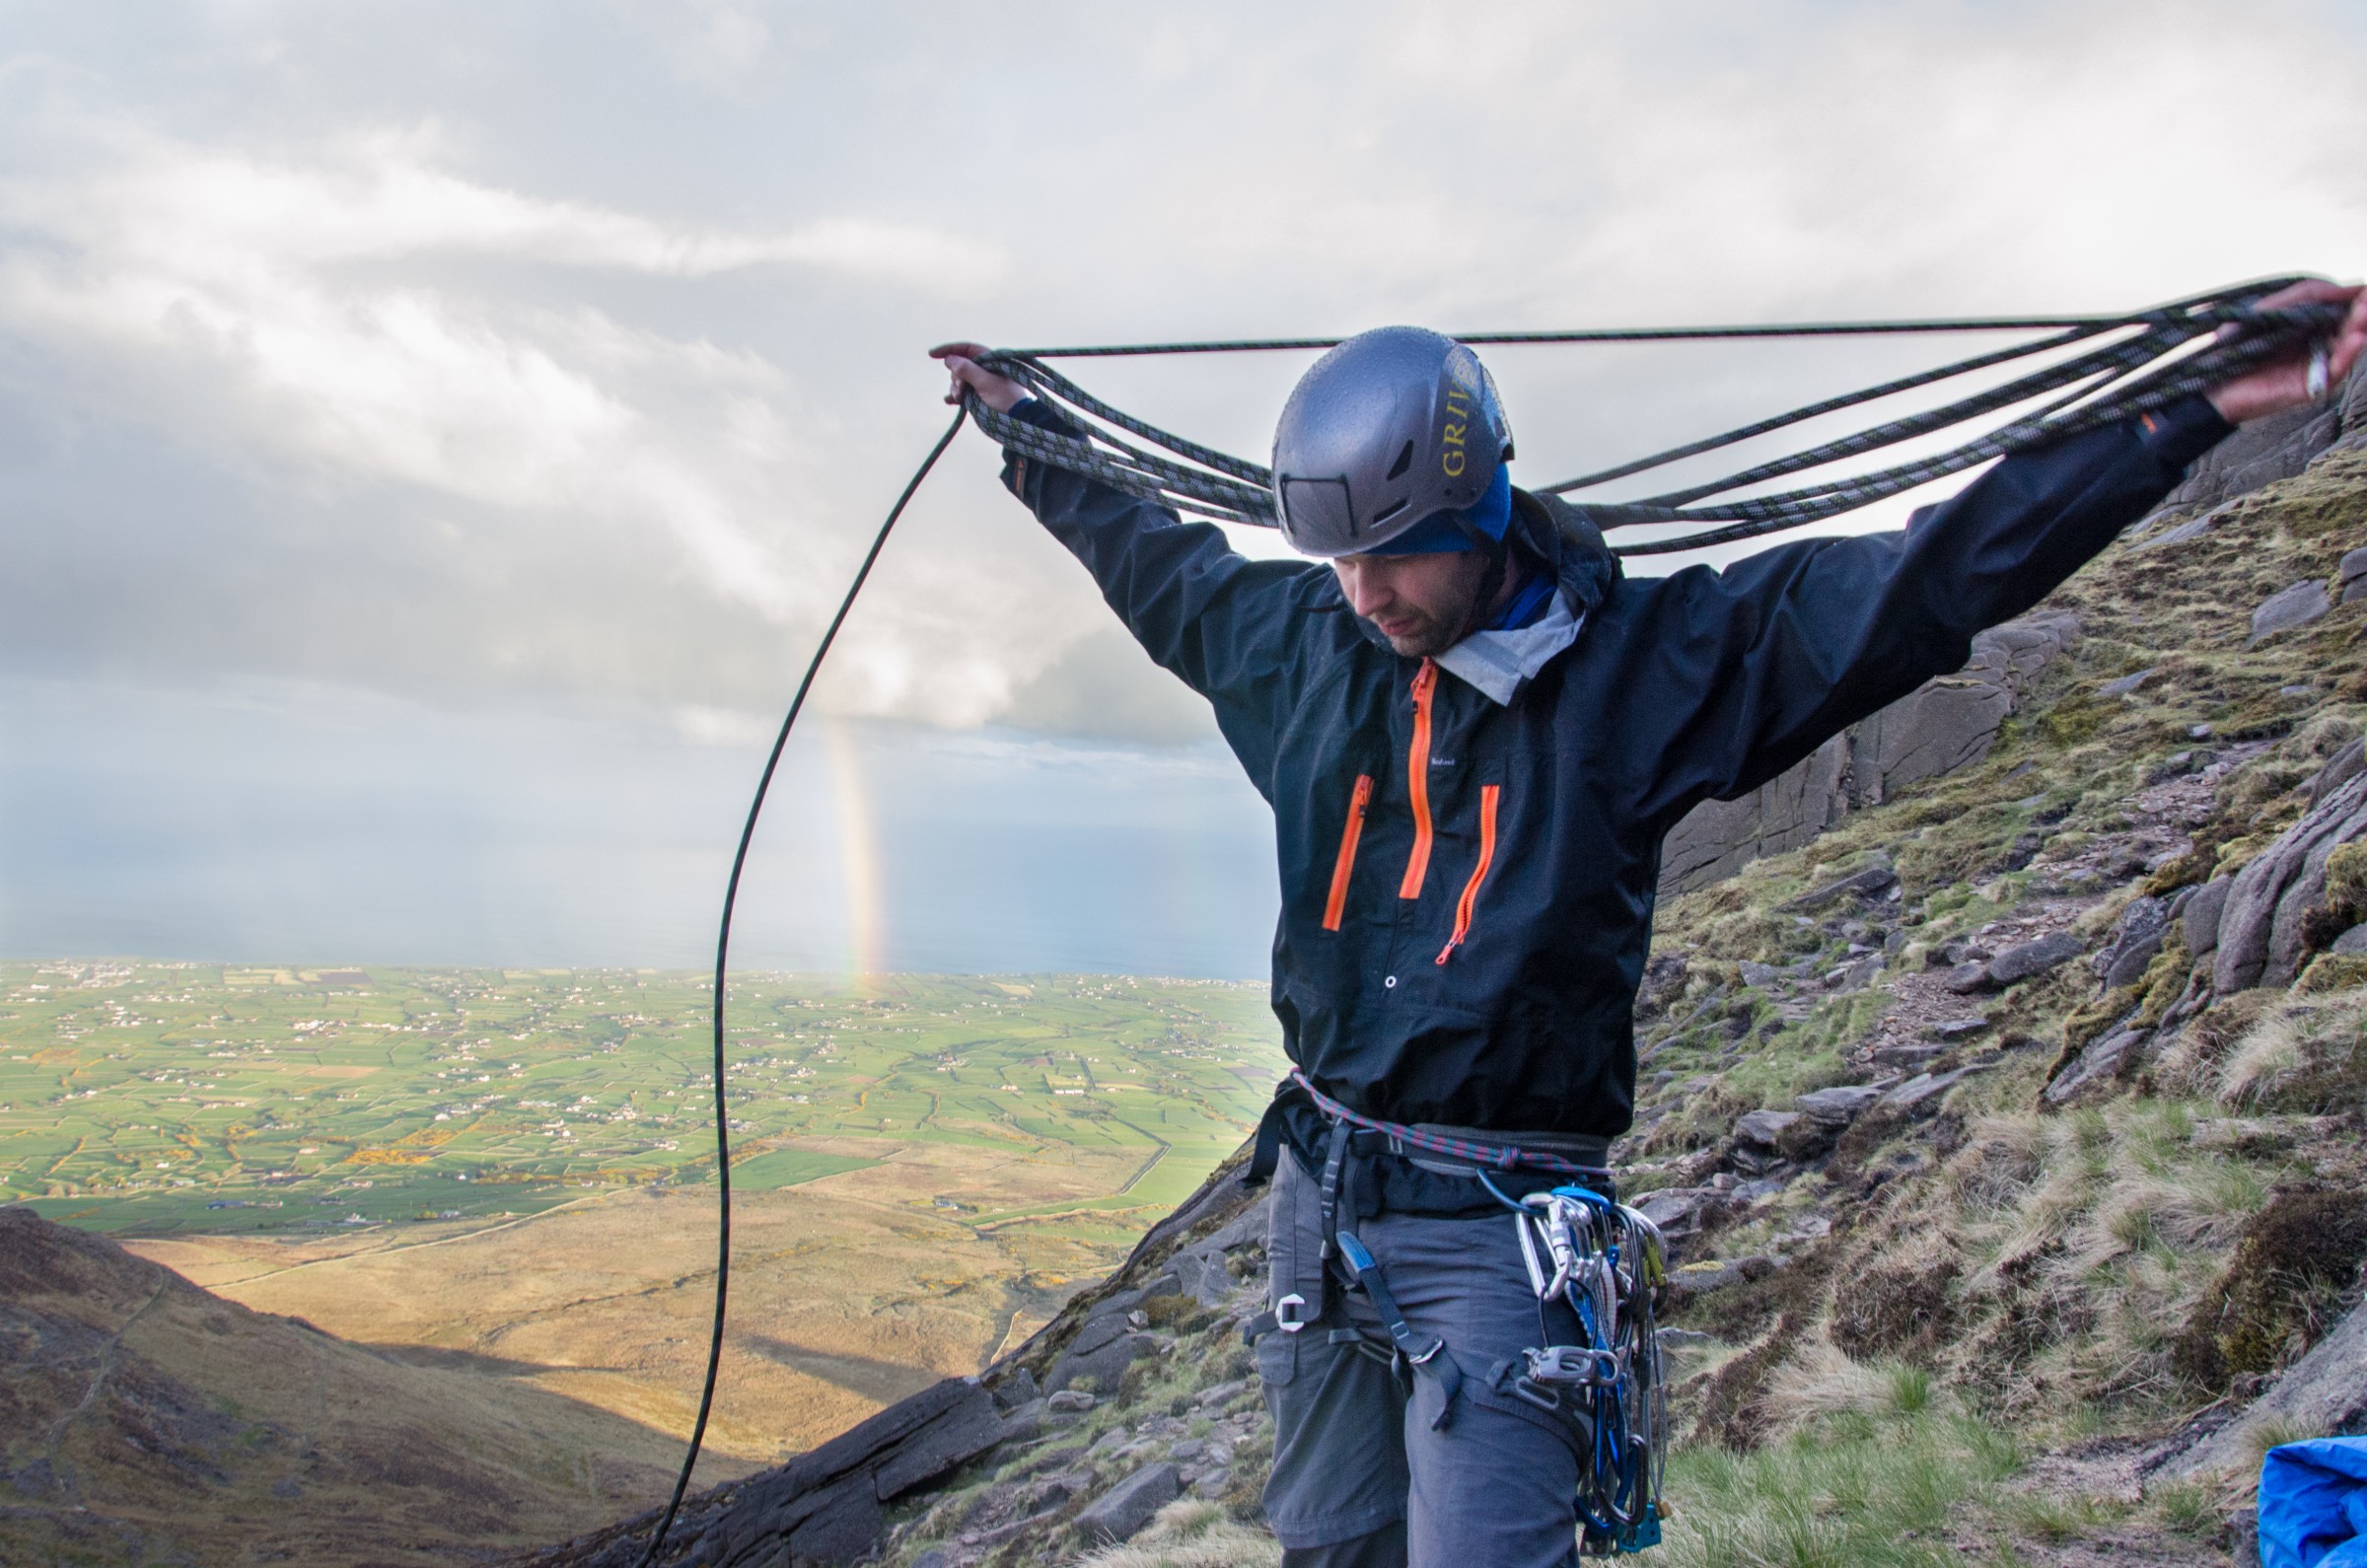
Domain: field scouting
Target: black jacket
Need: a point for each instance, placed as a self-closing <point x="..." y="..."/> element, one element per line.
<point x="1468" y="888"/>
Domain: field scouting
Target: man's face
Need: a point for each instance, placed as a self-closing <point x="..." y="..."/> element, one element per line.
<point x="1419" y="602"/>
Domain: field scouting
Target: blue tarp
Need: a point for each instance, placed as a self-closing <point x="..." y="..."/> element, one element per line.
<point x="2314" y="1504"/>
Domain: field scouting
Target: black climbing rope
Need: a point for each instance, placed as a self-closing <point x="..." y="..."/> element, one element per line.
<point x="2147" y="360"/>
<point x="2138" y="369"/>
<point x="723" y="953"/>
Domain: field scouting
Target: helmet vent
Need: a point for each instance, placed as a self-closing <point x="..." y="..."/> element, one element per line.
<point x="1388" y="511"/>
<point x="1398" y="468"/>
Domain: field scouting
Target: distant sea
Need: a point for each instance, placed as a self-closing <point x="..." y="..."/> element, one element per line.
<point x="302" y="824"/>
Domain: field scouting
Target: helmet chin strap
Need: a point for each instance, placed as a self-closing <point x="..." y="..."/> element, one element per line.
<point x="1491" y="581"/>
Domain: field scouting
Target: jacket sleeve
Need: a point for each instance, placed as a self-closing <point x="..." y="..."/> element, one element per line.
<point x="1786" y="649"/>
<point x="1222" y="624"/>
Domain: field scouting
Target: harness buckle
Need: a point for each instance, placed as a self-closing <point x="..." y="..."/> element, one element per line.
<point x="1572" y="1364"/>
<point x="1290" y="1314"/>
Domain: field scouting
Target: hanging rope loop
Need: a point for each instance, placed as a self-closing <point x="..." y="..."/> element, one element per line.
<point x="2092" y="370"/>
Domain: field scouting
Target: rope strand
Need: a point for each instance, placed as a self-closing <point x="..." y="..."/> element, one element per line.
<point x="2152" y="363"/>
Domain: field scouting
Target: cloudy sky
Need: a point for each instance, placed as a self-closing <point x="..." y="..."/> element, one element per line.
<point x="431" y="434"/>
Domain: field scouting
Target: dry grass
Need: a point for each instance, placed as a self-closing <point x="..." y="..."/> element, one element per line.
<point x="2093" y="1235"/>
<point x="2300" y="1056"/>
<point x="1190" y="1534"/>
<point x="1820" y="1382"/>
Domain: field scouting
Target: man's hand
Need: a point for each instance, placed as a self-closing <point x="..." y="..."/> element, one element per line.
<point x="2284" y="383"/>
<point x="998" y="392"/>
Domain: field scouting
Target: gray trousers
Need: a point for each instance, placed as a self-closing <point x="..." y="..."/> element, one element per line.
<point x="1364" y="1475"/>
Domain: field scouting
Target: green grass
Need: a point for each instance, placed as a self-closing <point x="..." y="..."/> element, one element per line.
<point x="1849" y="1491"/>
<point x="153" y="1097"/>
<point x="787" y="1168"/>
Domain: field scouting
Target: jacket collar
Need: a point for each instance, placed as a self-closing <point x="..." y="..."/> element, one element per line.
<point x="1552" y="531"/>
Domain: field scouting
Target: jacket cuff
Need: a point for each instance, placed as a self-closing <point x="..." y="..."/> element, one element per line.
<point x="2177" y="435"/>
<point x="1017" y="470"/>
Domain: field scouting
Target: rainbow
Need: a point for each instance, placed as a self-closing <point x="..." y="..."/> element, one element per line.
<point x="858" y="852"/>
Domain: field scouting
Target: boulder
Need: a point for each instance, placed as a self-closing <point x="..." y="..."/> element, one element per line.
<point x="2202" y="915"/>
<point x="1857" y="974"/>
<point x="2351" y="575"/>
<point x="1871" y="882"/>
<point x="2340" y="768"/>
<point x="1120" y="1513"/>
<point x="1924" y="1090"/>
<point x="2137" y="937"/>
<point x="1969" y="976"/>
<point x="2178" y="535"/>
<point x="1956" y="1028"/>
<point x="1764" y="1129"/>
<point x="1838" y="1107"/>
<point x="2125" y="684"/>
<point x="2353" y="941"/>
<point x="1759" y="976"/>
<point x="1680" y="1212"/>
<point x="2027" y="960"/>
<point x="1105" y="1363"/>
<point x="2281" y="611"/>
<point x="2324" y="1392"/>
<point x="2105" y="1061"/>
<point x="1942" y="726"/>
<point x="2258" y="940"/>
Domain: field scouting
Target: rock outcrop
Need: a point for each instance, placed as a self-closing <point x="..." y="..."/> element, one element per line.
<point x="2257" y="939"/>
<point x="1942" y="726"/>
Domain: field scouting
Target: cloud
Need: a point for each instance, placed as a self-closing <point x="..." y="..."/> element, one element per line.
<point x="215" y="294"/>
<point x="594" y="374"/>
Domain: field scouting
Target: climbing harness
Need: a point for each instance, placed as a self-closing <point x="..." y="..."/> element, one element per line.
<point x="1610" y="1386"/>
<point x="1593" y="1261"/>
<point x="1501" y="1156"/>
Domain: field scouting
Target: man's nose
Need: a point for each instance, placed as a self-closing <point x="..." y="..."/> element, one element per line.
<point x="1368" y="592"/>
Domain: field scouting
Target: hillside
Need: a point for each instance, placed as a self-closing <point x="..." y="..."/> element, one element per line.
<point x="2008" y="1120"/>
<point x="145" y="1420"/>
<point x="510" y="1170"/>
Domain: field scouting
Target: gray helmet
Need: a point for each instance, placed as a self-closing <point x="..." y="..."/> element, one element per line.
<point x="1390" y="428"/>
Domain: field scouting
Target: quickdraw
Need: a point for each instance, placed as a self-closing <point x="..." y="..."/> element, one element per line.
<point x="1604" y="1260"/>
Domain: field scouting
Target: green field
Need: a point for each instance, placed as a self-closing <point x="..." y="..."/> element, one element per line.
<point x="154" y="1097"/>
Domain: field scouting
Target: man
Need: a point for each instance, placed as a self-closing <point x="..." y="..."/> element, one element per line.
<point x="1474" y="732"/>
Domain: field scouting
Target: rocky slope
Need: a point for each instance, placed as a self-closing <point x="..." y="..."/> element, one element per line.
<point x="143" y="1420"/>
<point x="2006" y="1117"/>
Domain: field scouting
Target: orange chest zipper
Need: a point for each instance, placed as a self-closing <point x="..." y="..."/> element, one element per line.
<point x="1417" y="782"/>
<point x="1337" y="905"/>
<point x="1489" y="794"/>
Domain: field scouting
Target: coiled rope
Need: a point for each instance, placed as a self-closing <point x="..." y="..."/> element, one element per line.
<point x="2148" y="359"/>
<point x="2131" y="375"/>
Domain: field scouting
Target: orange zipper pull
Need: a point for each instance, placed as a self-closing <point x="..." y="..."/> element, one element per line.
<point x="1335" y="906"/>
<point x="1488" y="796"/>
<point x="1417" y="782"/>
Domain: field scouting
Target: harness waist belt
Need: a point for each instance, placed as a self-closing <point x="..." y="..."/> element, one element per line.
<point x="1467" y="1147"/>
<point x="1589" y="1153"/>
